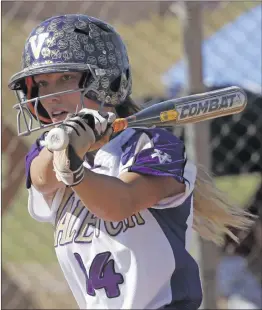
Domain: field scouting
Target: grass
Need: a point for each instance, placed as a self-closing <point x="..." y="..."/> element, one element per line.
<point x="23" y="238"/>
<point x="239" y="188"/>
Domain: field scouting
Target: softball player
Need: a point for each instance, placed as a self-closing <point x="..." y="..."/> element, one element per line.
<point x="121" y="205"/>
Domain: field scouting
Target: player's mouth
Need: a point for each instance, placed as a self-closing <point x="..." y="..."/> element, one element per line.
<point x="58" y="116"/>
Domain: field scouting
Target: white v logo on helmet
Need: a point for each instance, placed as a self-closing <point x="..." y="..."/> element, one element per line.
<point x="36" y="48"/>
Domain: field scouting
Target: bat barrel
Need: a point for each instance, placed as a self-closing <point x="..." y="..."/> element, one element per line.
<point x="189" y="109"/>
<point x="210" y="105"/>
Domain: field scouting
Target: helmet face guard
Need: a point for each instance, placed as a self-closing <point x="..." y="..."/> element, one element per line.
<point x="71" y="43"/>
<point x="30" y="110"/>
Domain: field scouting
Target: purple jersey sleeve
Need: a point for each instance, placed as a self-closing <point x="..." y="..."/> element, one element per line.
<point x="158" y="152"/>
<point x="155" y="152"/>
<point x="34" y="152"/>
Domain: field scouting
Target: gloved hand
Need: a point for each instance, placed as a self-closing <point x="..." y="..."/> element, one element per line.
<point x="84" y="130"/>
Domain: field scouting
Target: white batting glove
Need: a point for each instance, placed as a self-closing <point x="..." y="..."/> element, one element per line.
<point x="83" y="130"/>
<point x="98" y="121"/>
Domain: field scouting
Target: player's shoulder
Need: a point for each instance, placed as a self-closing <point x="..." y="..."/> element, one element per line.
<point x="132" y="141"/>
<point x="36" y="145"/>
<point x="149" y="141"/>
<point x="154" y="136"/>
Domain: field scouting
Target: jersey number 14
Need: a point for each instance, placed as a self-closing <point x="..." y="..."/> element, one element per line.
<point x="102" y="274"/>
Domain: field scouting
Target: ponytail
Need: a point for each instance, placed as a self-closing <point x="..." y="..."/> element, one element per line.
<point x="214" y="214"/>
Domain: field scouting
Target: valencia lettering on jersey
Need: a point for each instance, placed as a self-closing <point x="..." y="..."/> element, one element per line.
<point x="207" y="106"/>
<point x="68" y="231"/>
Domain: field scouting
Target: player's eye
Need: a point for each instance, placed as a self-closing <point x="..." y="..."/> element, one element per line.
<point x="67" y="77"/>
<point x="41" y="84"/>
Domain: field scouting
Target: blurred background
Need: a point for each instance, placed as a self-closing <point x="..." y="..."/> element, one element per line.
<point x="175" y="48"/>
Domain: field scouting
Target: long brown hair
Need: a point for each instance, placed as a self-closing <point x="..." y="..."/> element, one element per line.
<point x="214" y="213"/>
<point x="127" y="108"/>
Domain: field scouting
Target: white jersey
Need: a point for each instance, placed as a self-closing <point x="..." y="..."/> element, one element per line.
<point x="141" y="262"/>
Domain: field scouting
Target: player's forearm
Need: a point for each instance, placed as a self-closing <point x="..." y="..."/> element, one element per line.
<point x="42" y="174"/>
<point x="105" y="196"/>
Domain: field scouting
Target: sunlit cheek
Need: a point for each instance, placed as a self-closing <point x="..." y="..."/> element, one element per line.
<point x="42" y="92"/>
<point x="73" y="101"/>
<point x="45" y="101"/>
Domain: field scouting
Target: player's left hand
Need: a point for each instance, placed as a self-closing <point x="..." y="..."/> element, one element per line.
<point x="101" y="123"/>
<point x="87" y="131"/>
<point x="86" y="128"/>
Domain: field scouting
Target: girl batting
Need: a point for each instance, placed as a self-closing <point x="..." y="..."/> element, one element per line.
<point x="122" y="206"/>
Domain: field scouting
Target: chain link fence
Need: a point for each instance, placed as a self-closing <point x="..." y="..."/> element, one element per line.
<point x="31" y="277"/>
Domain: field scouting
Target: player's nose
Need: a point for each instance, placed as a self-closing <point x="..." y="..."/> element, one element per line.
<point x="50" y="100"/>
